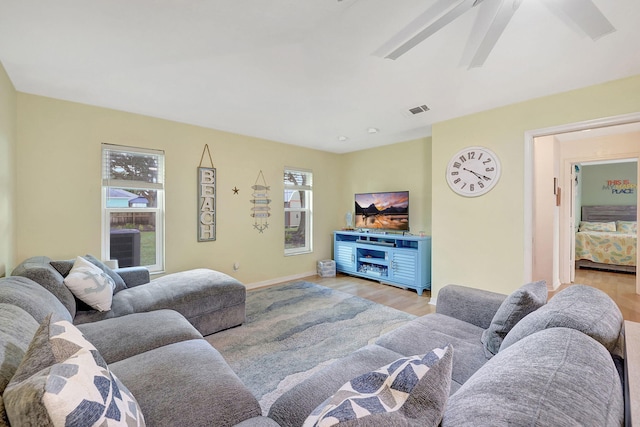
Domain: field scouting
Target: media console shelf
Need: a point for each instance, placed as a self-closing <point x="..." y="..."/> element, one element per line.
<point x="403" y="261"/>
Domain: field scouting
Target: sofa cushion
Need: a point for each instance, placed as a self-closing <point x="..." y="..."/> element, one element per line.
<point x="32" y="298"/>
<point x="208" y="299"/>
<point x="126" y="336"/>
<point x="90" y="284"/>
<point x="17" y="327"/>
<point x="295" y="405"/>
<point x="186" y="384"/>
<point x="436" y="330"/>
<point x="521" y="302"/>
<point x="412" y="389"/>
<point x="555" y="377"/>
<point x="40" y="271"/>
<point x="580" y="307"/>
<point x="63" y="380"/>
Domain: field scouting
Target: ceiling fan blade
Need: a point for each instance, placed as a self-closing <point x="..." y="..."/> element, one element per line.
<point x="584" y="14"/>
<point x="502" y="17"/>
<point x="445" y="19"/>
<point x="481" y="25"/>
<point x="439" y="7"/>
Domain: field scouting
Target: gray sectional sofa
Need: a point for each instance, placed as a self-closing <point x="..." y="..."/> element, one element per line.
<point x="554" y="364"/>
<point x="149" y="343"/>
<point x="511" y="360"/>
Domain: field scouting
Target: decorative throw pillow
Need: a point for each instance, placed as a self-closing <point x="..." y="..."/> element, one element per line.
<point x="514" y="308"/>
<point x="119" y="281"/>
<point x="627" y="227"/>
<point x="64" y="268"/>
<point x="90" y="284"/>
<point x="597" y="226"/>
<point x="76" y="389"/>
<point x="410" y="390"/>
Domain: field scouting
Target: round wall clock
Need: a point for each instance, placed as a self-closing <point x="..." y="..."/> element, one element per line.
<point x="473" y="171"/>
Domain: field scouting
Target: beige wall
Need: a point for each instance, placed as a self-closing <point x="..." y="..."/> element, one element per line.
<point x="546" y="213"/>
<point x="7" y="180"/>
<point x="59" y="181"/>
<point x="480" y="241"/>
<point x="397" y="167"/>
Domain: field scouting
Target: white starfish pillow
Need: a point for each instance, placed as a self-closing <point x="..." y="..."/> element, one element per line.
<point x="90" y="284"/>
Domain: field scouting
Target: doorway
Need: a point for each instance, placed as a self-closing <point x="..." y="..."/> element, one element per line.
<point x="549" y="193"/>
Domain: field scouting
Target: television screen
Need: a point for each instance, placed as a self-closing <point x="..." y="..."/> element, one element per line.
<point x="384" y="211"/>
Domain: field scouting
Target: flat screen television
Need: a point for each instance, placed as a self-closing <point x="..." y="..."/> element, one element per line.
<point x="382" y="211"/>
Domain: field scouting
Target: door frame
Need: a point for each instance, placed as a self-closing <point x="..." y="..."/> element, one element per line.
<point x="528" y="176"/>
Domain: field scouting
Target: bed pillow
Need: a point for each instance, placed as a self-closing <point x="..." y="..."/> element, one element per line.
<point x="514" y="308"/>
<point x="410" y="390"/>
<point x="90" y="284"/>
<point x="597" y="226"/>
<point x="627" y="227"/>
<point x="63" y="380"/>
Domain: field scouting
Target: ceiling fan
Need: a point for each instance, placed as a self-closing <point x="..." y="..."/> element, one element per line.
<point x="493" y="17"/>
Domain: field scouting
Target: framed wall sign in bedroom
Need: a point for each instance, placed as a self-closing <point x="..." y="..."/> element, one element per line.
<point x="206" y="200"/>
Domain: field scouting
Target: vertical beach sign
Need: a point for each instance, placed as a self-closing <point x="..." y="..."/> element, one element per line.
<point x="206" y="200"/>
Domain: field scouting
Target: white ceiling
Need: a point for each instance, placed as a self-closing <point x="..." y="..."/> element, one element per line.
<point x="298" y="71"/>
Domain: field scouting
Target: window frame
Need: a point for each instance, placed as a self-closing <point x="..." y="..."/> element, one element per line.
<point x="159" y="209"/>
<point x="307" y="209"/>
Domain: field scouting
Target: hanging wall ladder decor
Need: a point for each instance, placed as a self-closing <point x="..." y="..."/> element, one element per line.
<point x="260" y="210"/>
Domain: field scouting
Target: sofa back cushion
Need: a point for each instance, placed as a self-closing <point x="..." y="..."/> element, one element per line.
<point x="17" y="327"/>
<point x="555" y="377"/>
<point x="580" y="307"/>
<point x="40" y="271"/>
<point x="32" y="298"/>
<point x="516" y="306"/>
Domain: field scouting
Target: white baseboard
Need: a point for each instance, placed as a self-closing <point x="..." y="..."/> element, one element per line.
<point x="279" y="280"/>
<point x="432" y="301"/>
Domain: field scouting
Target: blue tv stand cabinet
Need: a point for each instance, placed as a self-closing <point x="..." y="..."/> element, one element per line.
<point x="403" y="261"/>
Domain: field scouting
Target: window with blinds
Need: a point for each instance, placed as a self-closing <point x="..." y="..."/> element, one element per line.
<point x="298" y="197"/>
<point x="133" y="206"/>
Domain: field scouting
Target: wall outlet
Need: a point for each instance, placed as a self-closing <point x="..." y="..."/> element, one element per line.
<point x="236" y="266"/>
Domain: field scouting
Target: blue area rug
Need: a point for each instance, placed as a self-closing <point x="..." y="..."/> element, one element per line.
<point x="295" y="329"/>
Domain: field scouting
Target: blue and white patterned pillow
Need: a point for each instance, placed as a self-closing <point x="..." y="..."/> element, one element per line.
<point x="410" y="389"/>
<point x="77" y="389"/>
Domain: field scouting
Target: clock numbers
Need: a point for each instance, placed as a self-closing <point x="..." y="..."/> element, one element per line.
<point x="486" y="161"/>
<point x="489" y="169"/>
<point x="457" y="165"/>
<point x="480" y="184"/>
<point x="457" y="180"/>
<point x="472" y="187"/>
<point x="455" y="173"/>
<point x="471" y="155"/>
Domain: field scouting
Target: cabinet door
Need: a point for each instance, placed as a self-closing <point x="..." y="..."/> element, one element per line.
<point x="345" y="254"/>
<point x="404" y="267"/>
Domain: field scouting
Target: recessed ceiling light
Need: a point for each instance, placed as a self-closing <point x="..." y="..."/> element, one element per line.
<point x="342" y="138"/>
<point x="373" y="130"/>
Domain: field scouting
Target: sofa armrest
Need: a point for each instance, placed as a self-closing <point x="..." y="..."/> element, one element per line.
<point x="134" y="276"/>
<point x="475" y="306"/>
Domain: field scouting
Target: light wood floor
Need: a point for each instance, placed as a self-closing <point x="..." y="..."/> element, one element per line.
<point x="400" y="299"/>
<point x="619" y="286"/>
